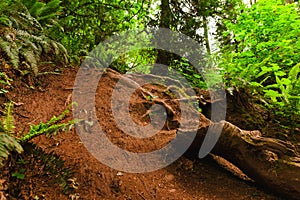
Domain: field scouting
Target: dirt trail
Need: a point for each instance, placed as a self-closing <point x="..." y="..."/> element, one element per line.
<point x="184" y="179"/>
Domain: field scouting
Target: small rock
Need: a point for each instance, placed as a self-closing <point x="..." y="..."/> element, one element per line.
<point x="119" y="174"/>
<point x="188" y="165"/>
<point x="172" y="190"/>
<point x="169" y="177"/>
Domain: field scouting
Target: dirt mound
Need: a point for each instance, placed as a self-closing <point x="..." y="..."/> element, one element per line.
<point x="90" y="179"/>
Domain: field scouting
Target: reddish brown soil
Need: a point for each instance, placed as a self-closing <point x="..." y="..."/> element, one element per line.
<point x="85" y="177"/>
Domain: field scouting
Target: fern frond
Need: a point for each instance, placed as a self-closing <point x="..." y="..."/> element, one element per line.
<point x="7" y="142"/>
<point x="50" y="10"/>
<point x="8" y="120"/>
<point x="4" y="4"/>
<point x="32" y="58"/>
<point x="62" y="49"/>
<point x="36" y="9"/>
<point x="5" y="21"/>
<point x="14" y="23"/>
<point x="4" y="84"/>
<point x="53" y="7"/>
<point x="28" y="21"/>
<point x="45" y="46"/>
<point x="44" y="12"/>
<point x="49" y="128"/>
<point x="2" y="129"/>
<point x="11" y="52"/>
<point x="27" y="18"/>
<point x="7" y="145"/>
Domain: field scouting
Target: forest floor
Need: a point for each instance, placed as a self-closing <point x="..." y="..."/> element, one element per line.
<point x="62" y="168"/>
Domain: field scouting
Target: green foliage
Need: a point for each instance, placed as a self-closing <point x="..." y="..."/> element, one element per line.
<point x="25" y="39"/>
<point x="194" y="19"/>
<point x="52" y="127"/>
<point x="5" y="82"/>
<point x="138" y="61"/>
<point x="190" y="21"/>
<point x="265" y="54"/>
<point x="8" y="120"/>
<point x="188" y="72"/>
<point x="265" y="35"/>
<point x="289" y="87"/>
<point x="9" y="142"/>
<point x="19" y="174"/>
<point x="87" y="23"/>
<point x="45" y="13"/>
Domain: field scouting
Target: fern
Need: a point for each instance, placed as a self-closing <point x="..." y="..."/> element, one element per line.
<point x="4" y="20"/>
<point x="52" y="127"/>
<point x="44" y="12"/>
<point x="27" y="21"/>
<point x="4" y="4"/>
<point x="8" y="120"/>
<point x="5" y="82"/>
<point x="8" y="144"/>
<point x="32" y="59"/>
<point x="24" y="40"/>
<point x="35" y="8"/>
<point x="2" y="129"/>
<point x="12" y="53"/>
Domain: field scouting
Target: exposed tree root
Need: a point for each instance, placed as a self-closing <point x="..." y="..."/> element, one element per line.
<point x="270" y="162"/>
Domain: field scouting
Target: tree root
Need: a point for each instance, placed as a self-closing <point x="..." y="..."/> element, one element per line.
<point x="270" y="162"/>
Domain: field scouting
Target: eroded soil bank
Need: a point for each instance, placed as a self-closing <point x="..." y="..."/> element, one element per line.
<point x="81" y="176"/>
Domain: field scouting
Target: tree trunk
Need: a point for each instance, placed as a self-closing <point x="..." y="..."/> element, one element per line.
<point x="165" y="21"/>
<point x="271" y="163"/>
<point x="205" y="27"/>
<point x="252" y="2"/>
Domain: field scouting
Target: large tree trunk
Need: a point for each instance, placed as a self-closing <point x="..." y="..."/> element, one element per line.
<point x="272" y="163"/>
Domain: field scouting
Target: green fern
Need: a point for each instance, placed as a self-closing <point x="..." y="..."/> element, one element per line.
<point x="8" y="144"/>
<point x="8" y="120"/>
<point x="5" y="82"/>
<point x="4" y="5"/>
<point x="12" y="53"/>
<point x="24" y="40"/>
<point x="52" y="127"/>
<point x="43" y="12"/>
<point x="4" y="20"/>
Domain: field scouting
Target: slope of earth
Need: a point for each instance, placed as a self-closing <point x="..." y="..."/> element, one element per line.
<point x="81" y="176"/>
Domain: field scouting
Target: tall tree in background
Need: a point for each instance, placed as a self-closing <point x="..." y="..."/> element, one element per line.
<point x="194" y="19"/>
<point x="165" y="21"/>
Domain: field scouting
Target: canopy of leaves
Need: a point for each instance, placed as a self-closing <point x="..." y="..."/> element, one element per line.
<point x="86" y="23"/>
